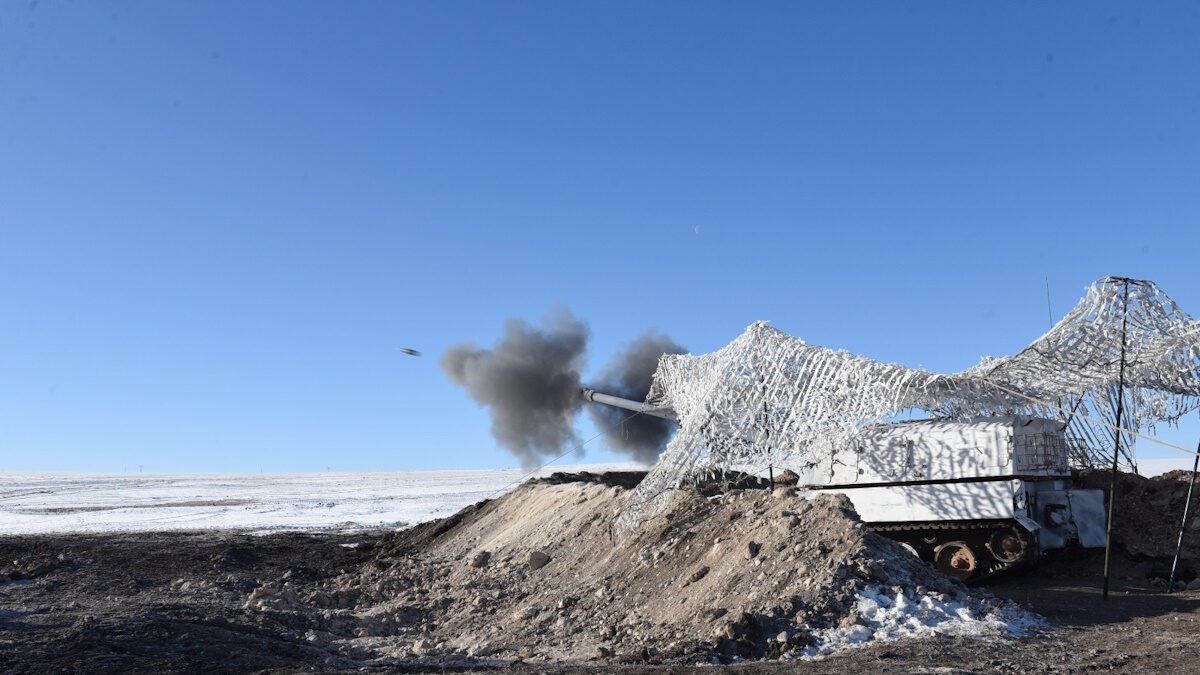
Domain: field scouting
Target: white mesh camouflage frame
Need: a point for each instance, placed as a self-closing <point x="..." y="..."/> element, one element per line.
<point x="768" y="398"/>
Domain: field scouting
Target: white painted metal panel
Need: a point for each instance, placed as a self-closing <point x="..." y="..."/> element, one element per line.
<point x="1087" y="510"/>
<point x="945" y="450"/>
<point x="956" y="501"/>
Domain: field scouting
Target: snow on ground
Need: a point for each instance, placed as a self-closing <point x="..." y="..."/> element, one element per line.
<point x="38" y="503"/>
<point x="894" y="614"/>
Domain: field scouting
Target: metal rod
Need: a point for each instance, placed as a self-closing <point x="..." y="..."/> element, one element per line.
<point x="1187" y="504"/>
<point x="766" y="418"/>
<point x="1049" y="312"/>
<point x="1074" y="409"/>
<point x="1112" y="489"/>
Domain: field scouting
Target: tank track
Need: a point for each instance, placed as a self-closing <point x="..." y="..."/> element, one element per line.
<point x="980" y="536"/>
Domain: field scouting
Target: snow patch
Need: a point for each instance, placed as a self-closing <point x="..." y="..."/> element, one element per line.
<point x="884" y="614"/>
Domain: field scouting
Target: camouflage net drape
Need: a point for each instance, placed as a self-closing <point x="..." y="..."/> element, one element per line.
<point x="768" y="398"/>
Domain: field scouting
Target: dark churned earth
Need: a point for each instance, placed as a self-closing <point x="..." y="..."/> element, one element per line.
<point x="110" y="603"/>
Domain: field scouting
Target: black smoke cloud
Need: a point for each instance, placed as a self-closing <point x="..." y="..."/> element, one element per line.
<point x="629" y="375"/>
<point x="530" y="380"/>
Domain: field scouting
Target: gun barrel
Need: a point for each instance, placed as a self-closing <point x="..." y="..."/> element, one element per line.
<point x="634" y="406"/>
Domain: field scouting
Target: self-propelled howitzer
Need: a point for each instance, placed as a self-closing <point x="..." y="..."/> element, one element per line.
<point x="972" y="497"/>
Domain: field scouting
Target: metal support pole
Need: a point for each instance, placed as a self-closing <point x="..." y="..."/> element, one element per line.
<point x="766" y="418"/>
<point x="1187" y="504"/>
<point x="1112" y="489"/>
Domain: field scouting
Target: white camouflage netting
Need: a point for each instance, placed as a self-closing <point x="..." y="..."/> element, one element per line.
<point x="769" y="399"/>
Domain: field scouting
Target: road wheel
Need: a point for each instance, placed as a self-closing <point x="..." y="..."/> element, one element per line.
<point x="1007" y="545"/>
<point x="956" y="559"/>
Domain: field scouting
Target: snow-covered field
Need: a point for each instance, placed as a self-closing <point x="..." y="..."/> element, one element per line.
<point x="54" y="503"/>
<point x="47" y="502"/>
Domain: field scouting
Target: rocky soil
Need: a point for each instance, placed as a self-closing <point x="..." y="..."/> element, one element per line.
<point x="1147" y="519"/>
<point x="533" y="582"/>
<point x="538" y="574"/>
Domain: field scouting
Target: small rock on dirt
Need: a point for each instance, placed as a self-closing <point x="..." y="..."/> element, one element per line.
<point x="481" y="559"/>
<point x="787" y="478"/>
<point x="525" y="613"/>
<point x="538" y="560"/>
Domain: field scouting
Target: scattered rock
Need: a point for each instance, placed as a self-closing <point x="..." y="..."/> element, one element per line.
<point x="538" y="560"/>
<point x="430" y="593"/>
<point x="525" y="613"/>
<point x="744" y="627"/>
<point x="787" y="478"/>
<point x="752" y="549"/>
<point x="602" y="600"/>
<point x="262" y="592"/>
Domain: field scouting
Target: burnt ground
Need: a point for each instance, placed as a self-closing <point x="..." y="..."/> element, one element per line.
<point x="112" y="603"/>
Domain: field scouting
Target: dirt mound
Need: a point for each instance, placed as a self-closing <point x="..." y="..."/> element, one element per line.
<point x="538" y="573"/>
<point x="625" y="479"/>
<point x="1148" y="515"/>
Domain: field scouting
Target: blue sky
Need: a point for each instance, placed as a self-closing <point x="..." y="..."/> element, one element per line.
<point x="219" y="220"/>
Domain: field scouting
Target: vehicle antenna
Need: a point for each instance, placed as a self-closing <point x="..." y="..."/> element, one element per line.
<point x="1049" y="312"/>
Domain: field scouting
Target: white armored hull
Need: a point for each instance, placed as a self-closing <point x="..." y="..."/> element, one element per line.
<point x="990" y="500"/>
<point x="973" y="497"/>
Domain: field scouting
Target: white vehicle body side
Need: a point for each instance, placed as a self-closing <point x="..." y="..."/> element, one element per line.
<point x="955" y="501"/>
<point x="997" y="468"/>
